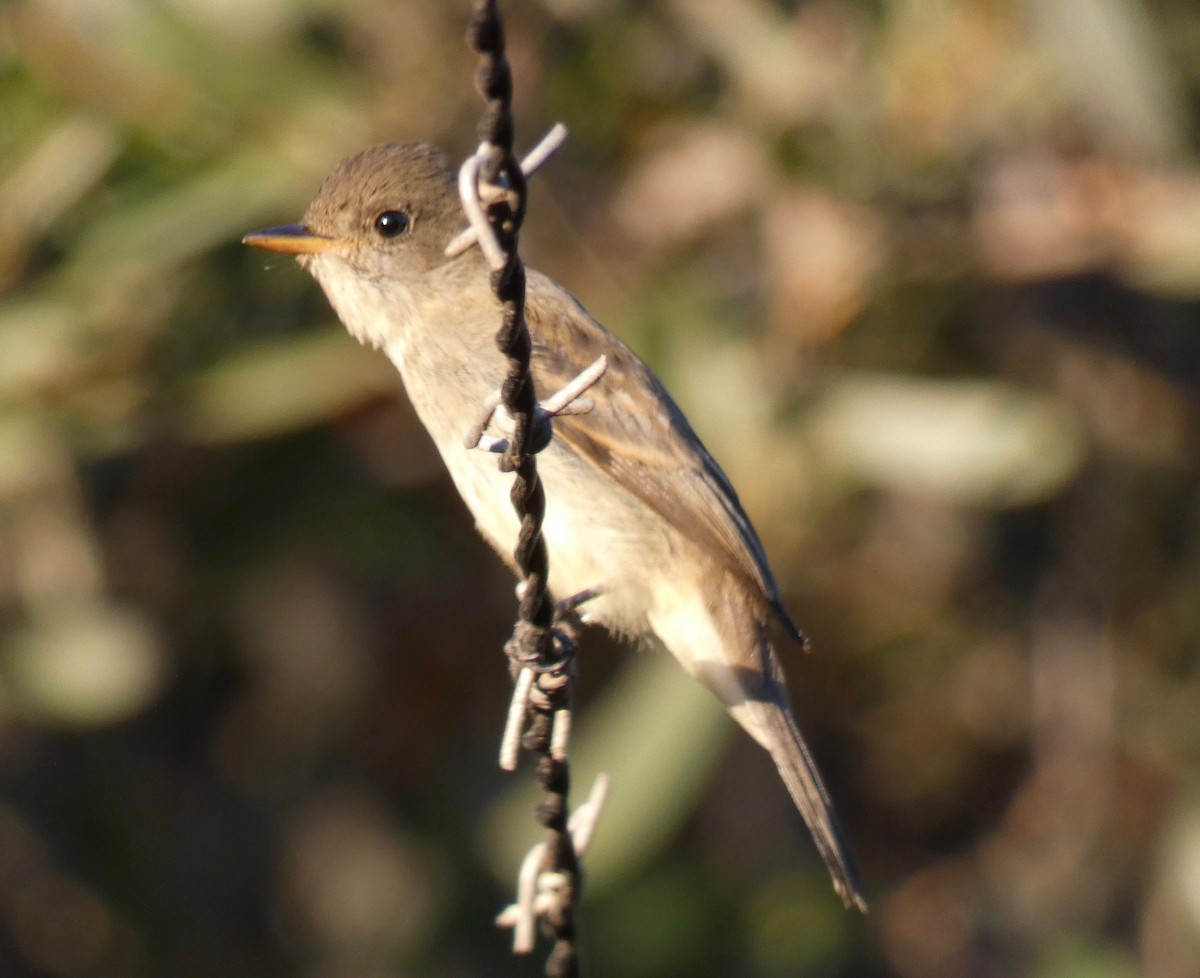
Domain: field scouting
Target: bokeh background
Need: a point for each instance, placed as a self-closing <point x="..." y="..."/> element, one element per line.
<point x="924" y="273"/>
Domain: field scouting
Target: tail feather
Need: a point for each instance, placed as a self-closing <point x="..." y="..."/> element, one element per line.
<point x="777" y="731"/>
<point x="721" y="639"/>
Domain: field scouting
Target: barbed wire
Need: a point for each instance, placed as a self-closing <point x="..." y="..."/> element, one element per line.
<point x="541" y="651"/>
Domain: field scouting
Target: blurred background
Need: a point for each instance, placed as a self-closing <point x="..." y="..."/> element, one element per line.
<point x="926" y="276"/>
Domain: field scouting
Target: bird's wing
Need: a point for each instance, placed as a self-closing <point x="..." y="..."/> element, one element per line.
<point x="647" y="447"/>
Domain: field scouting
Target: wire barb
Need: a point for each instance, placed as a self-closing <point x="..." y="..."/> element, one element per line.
<point x="534" y="160"/>
<point x="568" y="401"/>
<point x="471" y="194"/>
<point x="540" y="890"/>
<point x="510" y="743"/>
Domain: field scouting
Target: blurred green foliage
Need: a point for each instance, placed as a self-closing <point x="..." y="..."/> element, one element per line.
<point x="924" y="273"/>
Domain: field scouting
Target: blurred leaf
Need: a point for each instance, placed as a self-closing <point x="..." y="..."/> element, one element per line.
<point x="168" y="226"/>
<point x="83" y="665"/>
<point x="970" y="442"/>
<point x="796" y="928"/>
<point x="1077" y="958"/>
<point x="65" y="164"/>
<point x="40" y="347"/>
<point x="1113" y="64"/>
<point x="275" y="388"/>
<point x="31" y="456"/>
<point x="656" y="927"/>
<point x="1164" y="233"/>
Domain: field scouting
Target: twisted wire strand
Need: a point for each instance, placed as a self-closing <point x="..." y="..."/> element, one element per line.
<point x="534" y="643"/>
<point x="502" y="173"/>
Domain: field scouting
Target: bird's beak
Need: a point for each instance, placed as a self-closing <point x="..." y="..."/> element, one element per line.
<point x="292" y="239"/>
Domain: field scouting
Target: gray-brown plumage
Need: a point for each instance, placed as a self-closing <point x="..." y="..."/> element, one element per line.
<point x="636" y="508"/>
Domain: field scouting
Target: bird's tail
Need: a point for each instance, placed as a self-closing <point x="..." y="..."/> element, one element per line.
<point x="770" y="721"/>
<point x="722" y="641"/>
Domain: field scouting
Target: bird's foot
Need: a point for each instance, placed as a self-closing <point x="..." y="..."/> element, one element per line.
<point x="567" y="616"/>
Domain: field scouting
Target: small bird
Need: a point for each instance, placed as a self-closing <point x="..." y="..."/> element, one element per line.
<point x="636" y="509"/>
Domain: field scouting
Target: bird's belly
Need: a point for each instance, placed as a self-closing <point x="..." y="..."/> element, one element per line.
<point x="598" y="537"/>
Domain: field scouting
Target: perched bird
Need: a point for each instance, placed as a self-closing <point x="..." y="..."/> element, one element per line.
<point x="636" y="508"/>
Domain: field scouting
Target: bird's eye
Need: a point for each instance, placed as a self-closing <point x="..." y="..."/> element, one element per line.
<point x="392" y="224"/>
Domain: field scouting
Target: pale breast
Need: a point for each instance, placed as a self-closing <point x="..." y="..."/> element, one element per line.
<point x="598" y="537"/>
